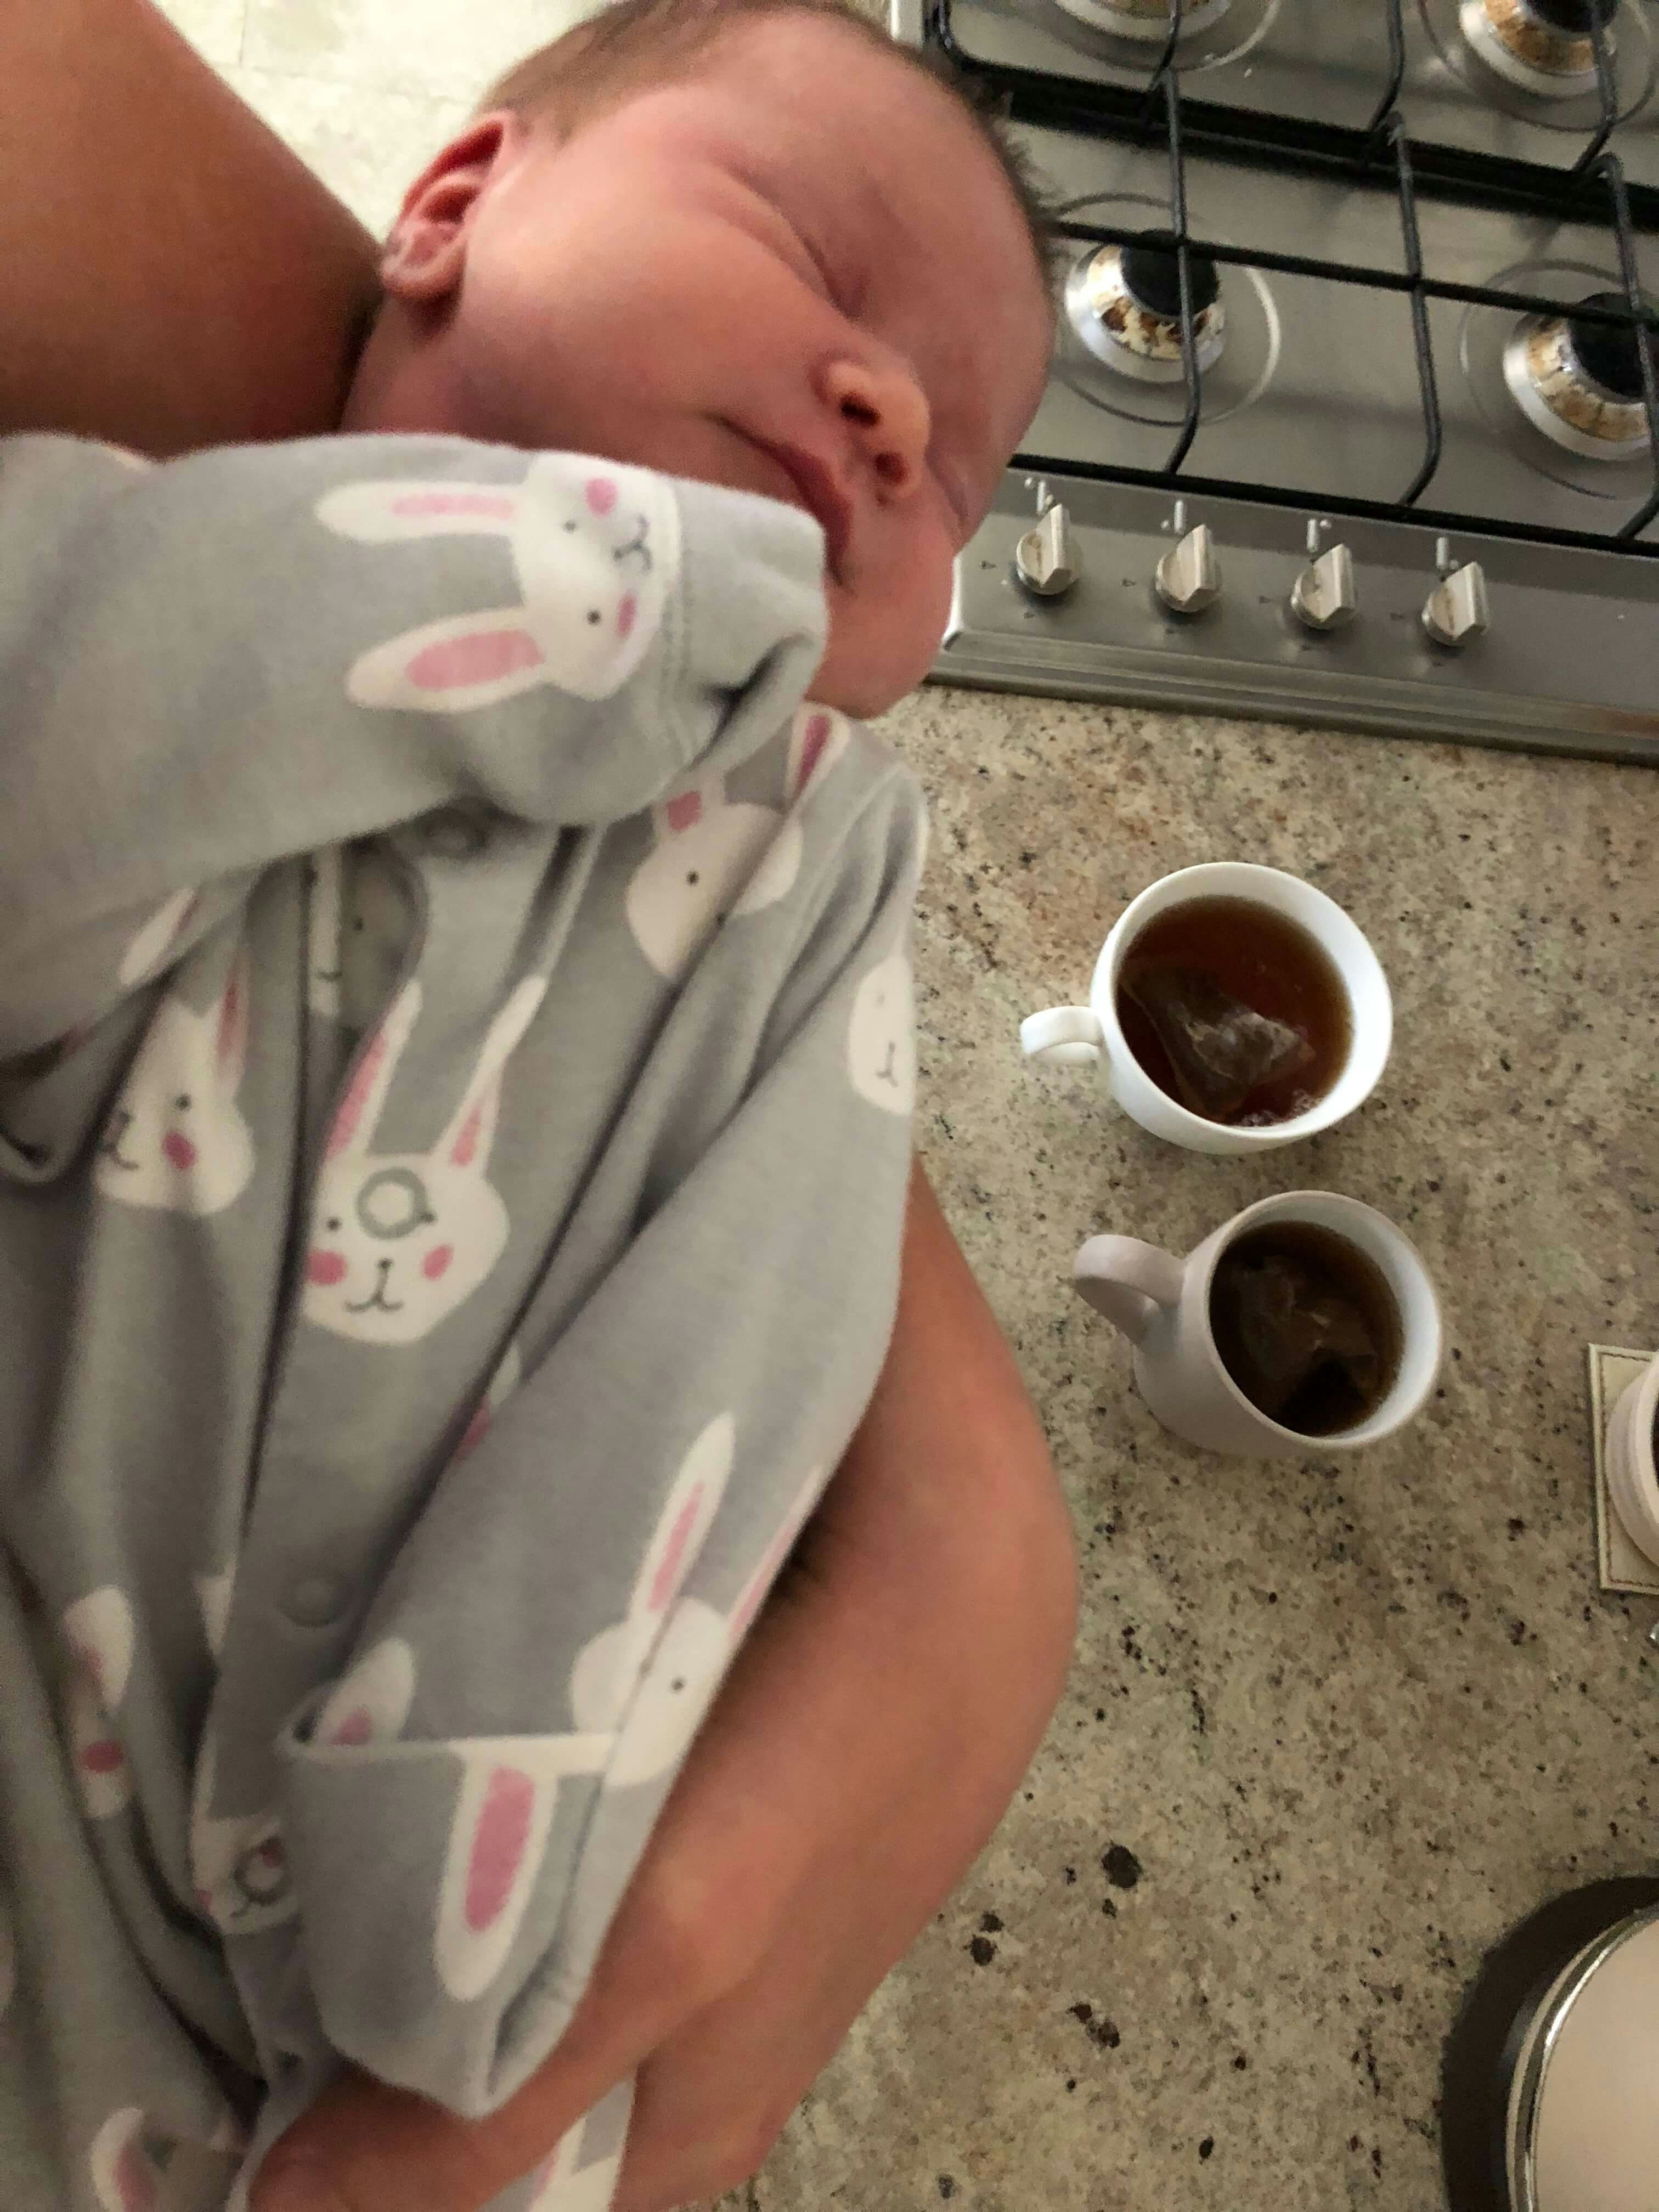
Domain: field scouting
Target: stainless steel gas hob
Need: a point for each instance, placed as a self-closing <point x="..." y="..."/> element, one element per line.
<point x="1353" y="415"/>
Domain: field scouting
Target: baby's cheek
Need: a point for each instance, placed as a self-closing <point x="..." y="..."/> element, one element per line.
<point x="325" y="1268"/>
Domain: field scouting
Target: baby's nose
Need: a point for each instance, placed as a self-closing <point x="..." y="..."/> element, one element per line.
<point x="887" y="413"/>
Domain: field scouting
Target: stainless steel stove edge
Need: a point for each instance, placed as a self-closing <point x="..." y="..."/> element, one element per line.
<point x="1571" y="663"/>
<point x="1368" y="709"/>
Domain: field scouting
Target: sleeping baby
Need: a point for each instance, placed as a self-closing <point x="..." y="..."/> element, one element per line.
<point x="456" y="1063"/>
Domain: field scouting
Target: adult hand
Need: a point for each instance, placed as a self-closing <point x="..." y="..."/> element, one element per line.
<point x="866" y="1741"/>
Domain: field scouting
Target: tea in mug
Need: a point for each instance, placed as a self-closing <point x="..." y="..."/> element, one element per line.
<point x="1307" y="1327"/>
<point x="1234" y="1011"/>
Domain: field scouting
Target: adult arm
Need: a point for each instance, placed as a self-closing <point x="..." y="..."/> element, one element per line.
<point x="167" y="225"/>
<point x="859" y="1755"/>
<point x="175" y="276"/>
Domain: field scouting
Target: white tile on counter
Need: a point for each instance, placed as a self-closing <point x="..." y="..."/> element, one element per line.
<point x="430" y="47"/>
<point x="364" y="141"/>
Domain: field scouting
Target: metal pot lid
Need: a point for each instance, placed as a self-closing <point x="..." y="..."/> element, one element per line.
<point x="1583" y="2133"/>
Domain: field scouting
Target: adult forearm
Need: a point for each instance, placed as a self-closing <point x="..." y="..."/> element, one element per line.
<point x="175" y="275"/>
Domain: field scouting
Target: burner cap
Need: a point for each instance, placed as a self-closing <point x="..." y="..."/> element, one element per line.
<point x="1580" y="382"/>
<point x="1607" y="352"/>
<point x="1543" y="47"/>
<point x="1147" y="21"/>
<point x="1574" y="17"/>
<point x="1124" y="303"/>
<point x="1151" y="276"/>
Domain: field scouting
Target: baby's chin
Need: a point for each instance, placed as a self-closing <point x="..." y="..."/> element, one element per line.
<point x="871" y="662"/>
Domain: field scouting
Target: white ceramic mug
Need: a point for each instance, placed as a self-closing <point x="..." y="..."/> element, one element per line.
<point x="1092" y="1034"/>
<point x="1162" y="1305"/>
<point x="1633" y="1478"/>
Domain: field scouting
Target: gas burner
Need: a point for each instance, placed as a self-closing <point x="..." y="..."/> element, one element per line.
<point x="1541" y="47"/>
<point x="1124" y="302"/>
<point x="1146" y="20"/>
<point x="1580" y="382"/>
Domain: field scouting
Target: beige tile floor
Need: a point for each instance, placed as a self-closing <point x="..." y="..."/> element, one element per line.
<point x="365" y="89"/>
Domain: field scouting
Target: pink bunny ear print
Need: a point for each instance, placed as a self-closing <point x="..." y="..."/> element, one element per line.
<point x="503" y="1383"/>
<point x="99" y="1630"/>
<point x="230" y="1041"/>
<point x="497" y="1838"/>
<point x="687" y="810"/>
<point x="466" y="1142"/>
<point x="360" y="1109"/>
<point x="371" y="1703"/>
<point x="102" y="1773"/>
<point x="755" y="1589"/>
<point x="145" y="954"/>
<point x="472" y="658"/>
<point x="124" y="2176"/>
<point x="817" y="738"/>
<point x="692" y="1505"/>
<point x="388" y="511"/>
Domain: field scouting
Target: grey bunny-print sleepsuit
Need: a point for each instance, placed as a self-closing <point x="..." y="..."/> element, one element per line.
<point x="456" y="1060"/>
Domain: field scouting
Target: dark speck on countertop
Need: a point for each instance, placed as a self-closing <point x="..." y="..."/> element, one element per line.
<point x="1122" y="1867"/>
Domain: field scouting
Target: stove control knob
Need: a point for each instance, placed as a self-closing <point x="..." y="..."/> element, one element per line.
<point x="1045" y="560"/>
<point x="1325" y="595"/>
<point x="1188" y="577"/>
<point x="1457" y="610"/>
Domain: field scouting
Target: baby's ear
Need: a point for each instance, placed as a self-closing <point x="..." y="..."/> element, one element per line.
<point x="426" y="252"/>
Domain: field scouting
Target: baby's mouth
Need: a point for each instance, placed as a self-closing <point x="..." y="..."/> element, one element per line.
<point x="817" y="490"/>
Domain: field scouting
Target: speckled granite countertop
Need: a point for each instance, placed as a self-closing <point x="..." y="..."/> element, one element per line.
<point x="1330" y="1727"/>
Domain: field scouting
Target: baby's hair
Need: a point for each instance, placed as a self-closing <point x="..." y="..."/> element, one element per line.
<point x="630" y="44"/>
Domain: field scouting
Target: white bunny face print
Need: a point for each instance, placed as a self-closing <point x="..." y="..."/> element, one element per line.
<point x="881" y="1037"/>
<point x="398" y="1240"/>
<point x="715" y="858"/>
<point x="323" y="873"/>
<point x="595" y="552"/>
<point x="239" y="1866"/>
<point x="176" y="1139"/>
<point x="690" y="1659"/>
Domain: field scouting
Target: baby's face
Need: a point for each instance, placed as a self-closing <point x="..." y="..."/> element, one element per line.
<point x="798" y="272"/>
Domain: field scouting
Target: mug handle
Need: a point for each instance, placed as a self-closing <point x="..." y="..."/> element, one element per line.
<point x="1128" y="1281"/>
<point x="1062" y="1035"/>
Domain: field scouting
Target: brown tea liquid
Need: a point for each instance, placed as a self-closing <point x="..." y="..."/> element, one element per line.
<point x="1307" y="1327"/>
<point x="1270" y="965"/>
